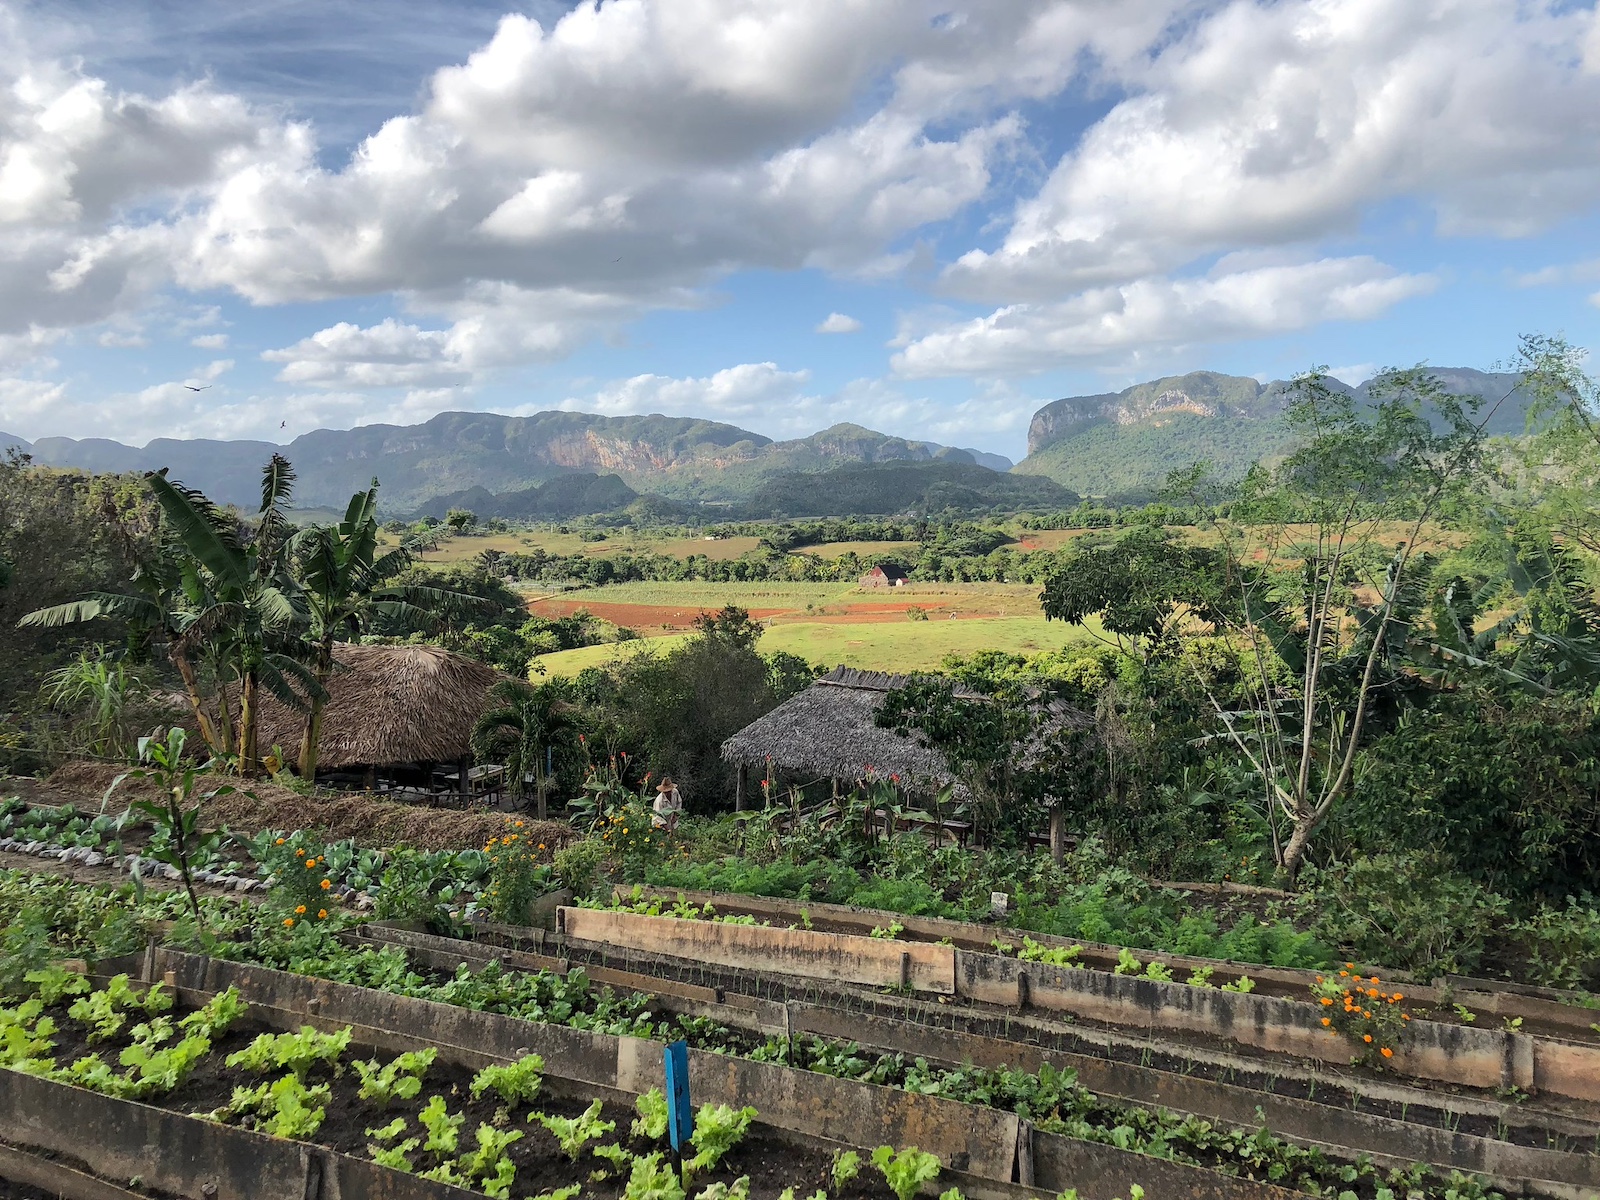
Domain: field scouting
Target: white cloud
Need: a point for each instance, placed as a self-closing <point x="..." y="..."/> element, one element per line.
<point x="1355" y="374"/>
<point x="1160" y="312"/>
<point x="765" y="399"/>
<point x="1271" y="123"/>
<point x="839" y="323"/>
<point x="749" y="391"/>
<point x="573" y="174"/>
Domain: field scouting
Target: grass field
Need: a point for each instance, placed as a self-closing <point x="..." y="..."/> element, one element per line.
<point x="859" y="549"/>
<point x="826" y="623"/>
<point x="463" y="549"/>
<point x="882" y="646"/>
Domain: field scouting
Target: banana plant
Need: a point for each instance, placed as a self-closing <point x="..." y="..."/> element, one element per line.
<point x="244" y="604"/>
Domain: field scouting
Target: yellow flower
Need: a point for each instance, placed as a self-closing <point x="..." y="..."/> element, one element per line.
<point x="288" y="922"/>
<point x="322" y="914"/>
<point x="300" y="853"/>
<point x="325" y="884"/>
<point x="311" y="864"/>
<point x="300" y="910"/>
<point x="280" y="841"/>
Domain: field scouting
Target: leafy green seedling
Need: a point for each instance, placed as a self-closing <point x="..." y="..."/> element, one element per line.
<point x="517" y="1083"/>
<point x="52" y="984"/>
<point x="652" y="1179"/>
<point x="561" y="1193"/>
<point x="1160" y="972"/>
<point x="387" y="1133"/>
<point x="617" y="1155"/>
<point x="400" y="1078"/>
<point x="217" y="1015"/>
<point x="846" y="1166"/>
<point x="653" y="1111"/>
<point x="396" y="1157"/>
<point x="297" y="1052"/>
<point x="1127" y="963"/>
<point x="952" y="1194"/>
<point x="443" y="1130"/>
<point x="906" y="1170"/>
<point x="740" y="1190"/>
<point x="574" y="1133"/>
<point x="717" y="1130"/>
<point x="1243" y="985"/>
<point x="489" y="1164"/>
<point x="297" y="1110"/>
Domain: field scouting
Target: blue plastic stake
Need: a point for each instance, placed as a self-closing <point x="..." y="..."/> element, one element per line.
<point x="680" y="1113"/>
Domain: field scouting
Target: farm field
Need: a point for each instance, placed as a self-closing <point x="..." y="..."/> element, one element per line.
<point x="464" y="549"/>
<point x="824" y="623"/>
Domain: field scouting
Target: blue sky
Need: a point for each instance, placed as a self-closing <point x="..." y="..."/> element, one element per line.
<point x="331" y="214"/>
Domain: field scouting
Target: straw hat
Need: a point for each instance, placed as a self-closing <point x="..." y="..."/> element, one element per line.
<point x="666" y="784"/>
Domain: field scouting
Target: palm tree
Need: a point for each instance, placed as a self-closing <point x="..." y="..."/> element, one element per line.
<point x="242" y="602"/>
<point x="525" y="725"/>
<point x="344" y="582"/>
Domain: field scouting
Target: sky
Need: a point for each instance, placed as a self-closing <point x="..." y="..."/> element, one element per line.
<point x="928" y="218"/>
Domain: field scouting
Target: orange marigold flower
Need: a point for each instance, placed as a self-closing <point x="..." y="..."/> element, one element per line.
<point x="1405" y="1016"/>
<point x="1366" y="1037"/>
<point x="300" y="910"/>
<point x="280" y="841"/>
<point x="1350" y="965"/>
<point x="541" y="845"/>
<point x="520" y="824"/>
<point x="322" y="914"/>
<point x="1398" y="996"/>
<point x="300" y="853"/>
<point x="1386" y="1052"/>
<point x="288" y="922"/>
<point x="1346" y="974"/>
<point x="311" y="864"/>
<point x="1327" y="1020"/>
<point x="1326" y="1001"/>
<point x="325" y="884"/>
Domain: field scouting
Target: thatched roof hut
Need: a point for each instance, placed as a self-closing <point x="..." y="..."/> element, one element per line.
<point x="389" y="705"/>
<point x="828" y="731"/>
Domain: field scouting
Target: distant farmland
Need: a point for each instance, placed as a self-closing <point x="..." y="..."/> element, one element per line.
<point x="825" y="623"/>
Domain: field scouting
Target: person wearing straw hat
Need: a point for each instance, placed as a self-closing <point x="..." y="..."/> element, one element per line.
<point x="668" y="804"/>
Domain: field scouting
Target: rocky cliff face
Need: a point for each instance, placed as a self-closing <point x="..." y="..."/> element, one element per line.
<point x="1199" y="393"/>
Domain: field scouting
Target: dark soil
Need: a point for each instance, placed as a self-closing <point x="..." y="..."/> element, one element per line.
<point x="772" y="1164"/>
<point x="21" y="1191"/>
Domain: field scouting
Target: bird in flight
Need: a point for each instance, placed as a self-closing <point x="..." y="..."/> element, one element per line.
<point x="201" y="388"/>
<point x="283" y="424"/>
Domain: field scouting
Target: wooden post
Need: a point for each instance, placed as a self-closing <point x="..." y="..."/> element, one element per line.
<point x="738" y="790"/>
<point x="464" y="766"/>
<point x="372" y="777"/>
<point x="1057" y="848"/>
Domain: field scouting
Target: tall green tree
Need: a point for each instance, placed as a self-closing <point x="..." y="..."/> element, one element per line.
<point x="243" y="599"/>
<point x="1321" y="577"/>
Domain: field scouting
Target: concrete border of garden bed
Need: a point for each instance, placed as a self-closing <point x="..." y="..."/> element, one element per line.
<point x="1390" y="1142"/>
<point x="1453" y="1054"/>
<point x="980" y="1145"/>
<point x="1560" y="1009"/>
<point x="57" y="1177"/>
<point x="173" y="1152"/>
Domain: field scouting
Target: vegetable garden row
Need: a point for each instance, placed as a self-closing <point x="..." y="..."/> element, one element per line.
<point x="1048" y="1097"/>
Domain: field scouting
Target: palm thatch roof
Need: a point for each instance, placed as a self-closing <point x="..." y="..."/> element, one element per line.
<point x="828" y="732"/>
<point x="389" y="705"/>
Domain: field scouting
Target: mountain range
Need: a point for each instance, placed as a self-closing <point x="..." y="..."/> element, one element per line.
<point x="681" y="458"/>
<point x="1124" y="443"/>
<point x="560" y="464"/>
